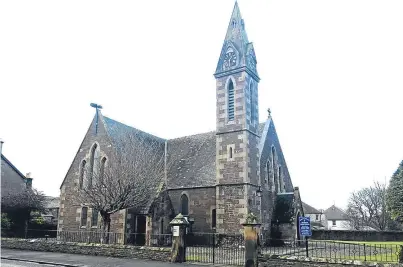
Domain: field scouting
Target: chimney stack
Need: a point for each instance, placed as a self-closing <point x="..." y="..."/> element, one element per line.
<point x="28" y="180"/>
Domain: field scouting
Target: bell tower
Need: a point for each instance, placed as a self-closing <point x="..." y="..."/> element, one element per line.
<point x="237" y="122"/>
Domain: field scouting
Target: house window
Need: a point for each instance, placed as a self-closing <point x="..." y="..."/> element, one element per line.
<point x="92" y="164"/>
<point x="231" y="96"/>
<point x="317" y="217"/>
<point x="213" y="218"/>
<point x="94" y="218"/>
<point x="230" y="152"/>
<point x="334" y="222"/>
<point x="184" y="205"/>
<point x="82" y="174"/>
<point x="84" y="211"/>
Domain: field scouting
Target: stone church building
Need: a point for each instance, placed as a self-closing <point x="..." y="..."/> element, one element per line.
<point x="216" y="178"/>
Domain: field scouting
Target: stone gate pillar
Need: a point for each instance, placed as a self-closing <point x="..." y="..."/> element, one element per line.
<point x="251" y="236"/>
<point x="178" y="225"/>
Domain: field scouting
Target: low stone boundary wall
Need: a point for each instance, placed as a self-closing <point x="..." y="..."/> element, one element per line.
<point x="310" y="262"/>
<point x="351" y="235"/>
<point x="122" y="251"/>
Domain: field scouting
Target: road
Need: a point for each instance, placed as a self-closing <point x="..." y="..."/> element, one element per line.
<point x="74" y="260"/>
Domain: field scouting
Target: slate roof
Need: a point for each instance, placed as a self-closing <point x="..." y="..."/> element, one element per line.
<point x="117" y="131"/>
<point x="13" y="167"/>
<point x="52" y="202"/>
<point x="309" y="209"/>
<point x="335" y="213"/>
<point x="191" y="161"/>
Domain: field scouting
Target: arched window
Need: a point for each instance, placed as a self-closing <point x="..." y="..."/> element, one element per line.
<point x="252" y="104"/>
<point x="184" y="205"/>
<point x="230" y="152"/>
<point x="280" y="180"/>
<point x="84" y="211"/>
<point x="267" y="178"/>
<point x="92" y="163"/>
<point x="102" y="169"/>
<point x="213" y="218"/>
<point x="231" y="96"/>
<point x="274" y="168"/>
<point x="82" y="179"/>
<point x="162" y="226"/>
<point x="94" y="218"/>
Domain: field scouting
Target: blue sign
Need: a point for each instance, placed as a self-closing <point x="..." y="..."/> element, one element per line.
<point x="305" y="226"/>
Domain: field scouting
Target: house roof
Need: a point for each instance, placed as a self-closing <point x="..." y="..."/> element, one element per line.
<point x="52" y="202"/>
<point x="309" y="209"/>
<point x="335" y="213"/>
<point x="13" y="167"/>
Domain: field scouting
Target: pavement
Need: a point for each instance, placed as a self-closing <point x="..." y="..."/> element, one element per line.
<point x="25" y="258"/>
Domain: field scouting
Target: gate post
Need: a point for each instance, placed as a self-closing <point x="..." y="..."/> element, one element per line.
<point x="178" y="225"/>
<point x="251" y="240"/>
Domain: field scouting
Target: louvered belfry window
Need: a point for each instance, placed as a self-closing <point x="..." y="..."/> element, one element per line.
<point x="231" y="101"/>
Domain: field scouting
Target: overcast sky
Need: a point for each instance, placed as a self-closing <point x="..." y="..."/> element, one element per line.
<point x="331" y="72"/>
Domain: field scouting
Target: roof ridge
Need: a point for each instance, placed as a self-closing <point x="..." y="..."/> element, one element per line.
<point x="134" y="128"/>
<point x="13" y="167"/>
<point x="180" y="137"/>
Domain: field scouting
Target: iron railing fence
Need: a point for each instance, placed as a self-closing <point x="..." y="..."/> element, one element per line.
<point x="338" y="250"/>
<point x="98" y="237"/>
<point x="215" y="248"/>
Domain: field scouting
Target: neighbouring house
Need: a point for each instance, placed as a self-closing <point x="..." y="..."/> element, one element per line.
<point x="336" y="219"/>
<point x="215" y="179"/>
<point x="51" y="213"/>
<point x="12" y="180"/>
<point x="317" y="217"/>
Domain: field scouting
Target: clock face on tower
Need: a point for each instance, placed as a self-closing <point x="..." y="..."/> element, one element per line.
<point x="230" y="59"/>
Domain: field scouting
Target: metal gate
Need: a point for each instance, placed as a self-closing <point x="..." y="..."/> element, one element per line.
<point x="215" y="248"/>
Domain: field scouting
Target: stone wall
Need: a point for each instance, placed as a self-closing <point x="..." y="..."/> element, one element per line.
<point x="201" y="203"/>
<point x="308" y="262"/>
<point x="160" y="254"/>
<point x="347" y="235"/>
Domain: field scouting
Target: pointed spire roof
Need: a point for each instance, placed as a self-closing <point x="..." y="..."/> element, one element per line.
<point x="236" y="28"/>
<point x="237" y="49"/>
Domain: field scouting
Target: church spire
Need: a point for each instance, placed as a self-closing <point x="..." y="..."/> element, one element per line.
<point x="237" y="52"/>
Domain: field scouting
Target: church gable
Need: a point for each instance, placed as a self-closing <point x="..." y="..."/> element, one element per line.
<point x="273" y="160"/>
<point x="96" y="134"/>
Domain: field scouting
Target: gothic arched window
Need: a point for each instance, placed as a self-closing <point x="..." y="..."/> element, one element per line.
<point x="92" y="163"/>
<point x="82" y="179"/>
<point x="102" y="169"/>
<point x="280" y="180"/>
<point x="231" y="96"/>
<point x="267" y="178"/>
<point x="274" y="169"/>
<point x="184" y="205"/>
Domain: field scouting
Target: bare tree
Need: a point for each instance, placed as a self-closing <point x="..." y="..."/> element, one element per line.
<point x="127" y="177"/>
<point x="131" y="173"/>
<point x="367" y="207"/>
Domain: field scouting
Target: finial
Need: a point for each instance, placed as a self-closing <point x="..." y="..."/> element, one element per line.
<point x="97" y="107"/>
<point x="269" y="112"/>
<point x="94" y="105"/>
